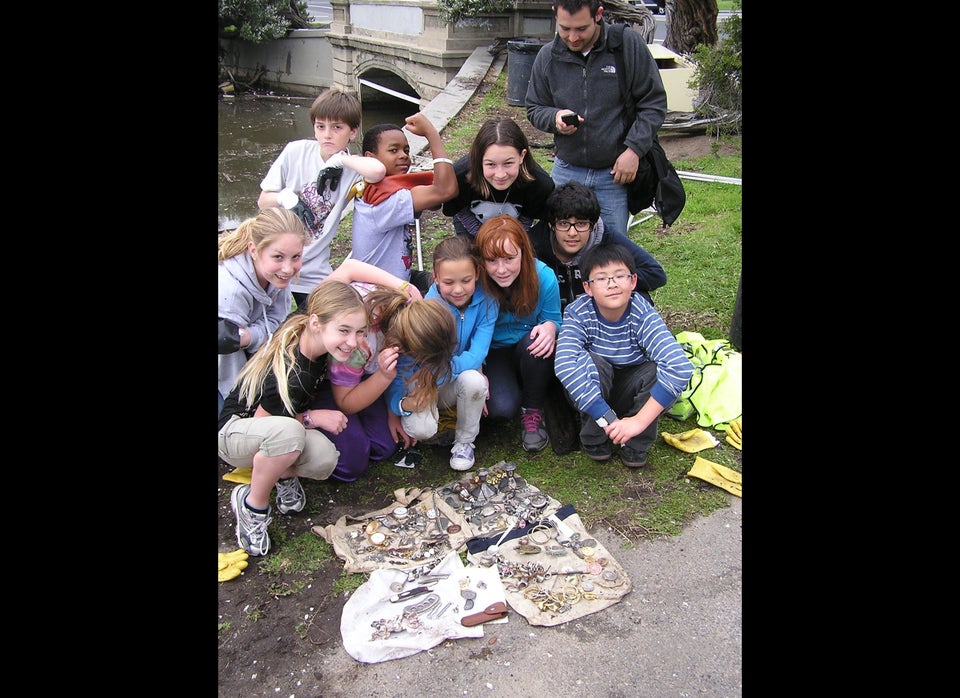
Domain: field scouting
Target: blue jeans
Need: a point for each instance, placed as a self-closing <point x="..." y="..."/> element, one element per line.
<point x="612" y="196"/>
<point x="517" y="379"/>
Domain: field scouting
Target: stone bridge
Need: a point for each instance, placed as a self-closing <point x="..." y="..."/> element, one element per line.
<point x="374" y="48"/>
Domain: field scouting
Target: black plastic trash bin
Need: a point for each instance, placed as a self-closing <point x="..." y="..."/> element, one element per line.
<point x="520" y="55"/>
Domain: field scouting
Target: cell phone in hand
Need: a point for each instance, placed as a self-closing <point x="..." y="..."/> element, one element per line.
<point x="570" y="119"/>
<point x="407" y="457"/>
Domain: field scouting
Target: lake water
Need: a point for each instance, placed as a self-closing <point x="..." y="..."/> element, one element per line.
<point x="251" y="132"/>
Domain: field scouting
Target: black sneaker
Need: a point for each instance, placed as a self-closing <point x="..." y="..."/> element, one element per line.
<point x="632" y="458"/>
<point x="598" y="452"/>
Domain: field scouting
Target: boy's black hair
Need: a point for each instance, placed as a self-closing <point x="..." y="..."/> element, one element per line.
<point x="604" y="255"/>
<point x="371" y="139"/>
<point x="572" y="200"/>
<point x="573" y="6"/>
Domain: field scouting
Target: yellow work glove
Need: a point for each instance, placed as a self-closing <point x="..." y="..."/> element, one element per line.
<point x="691" y="441"/>
<point x="735" y="433"/>
<point x="241" y="475"/>
<point x="719" y="475"/>
<point x="232" y="564"/>
<point x="447" y="420"/>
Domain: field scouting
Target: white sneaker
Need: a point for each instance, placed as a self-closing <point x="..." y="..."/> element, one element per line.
<point x="462" y="458"/>
<point x="290" y="495"/>
<point x="252" y="533"/>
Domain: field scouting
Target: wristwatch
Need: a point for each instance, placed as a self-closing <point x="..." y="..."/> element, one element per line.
<point x="306" y="419"/>
<point x="403" y="412"/>
<point x="608" y="417"/>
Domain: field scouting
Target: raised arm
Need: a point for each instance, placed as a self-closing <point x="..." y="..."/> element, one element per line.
<point x="444" y="187"/>
<point x="371" y="169"/>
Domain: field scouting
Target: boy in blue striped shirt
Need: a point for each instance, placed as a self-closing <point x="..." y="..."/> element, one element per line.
<point x="617" y="360"/>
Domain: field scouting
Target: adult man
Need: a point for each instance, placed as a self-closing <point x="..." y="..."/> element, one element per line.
<point x="576" y="73"/>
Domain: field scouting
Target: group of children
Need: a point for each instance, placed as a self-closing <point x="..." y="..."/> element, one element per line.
<point x="519" y="298"/>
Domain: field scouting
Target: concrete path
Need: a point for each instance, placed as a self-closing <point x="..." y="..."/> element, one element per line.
<point x="456" y="94"/>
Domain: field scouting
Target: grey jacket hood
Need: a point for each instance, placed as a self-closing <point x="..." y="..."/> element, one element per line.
<point x="241" y="268"/>
<point x="243" y="301"/>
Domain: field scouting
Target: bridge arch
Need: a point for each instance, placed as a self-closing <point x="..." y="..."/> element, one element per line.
<point x="380" y="80"/>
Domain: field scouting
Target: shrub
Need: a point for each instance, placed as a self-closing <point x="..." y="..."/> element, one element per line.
<point x="260" y="21"/>
<point x="453" y="11"/>
<point x="718" y="76"/>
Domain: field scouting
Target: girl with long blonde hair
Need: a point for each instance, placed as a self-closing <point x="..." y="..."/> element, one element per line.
<point x="266" y="422"/>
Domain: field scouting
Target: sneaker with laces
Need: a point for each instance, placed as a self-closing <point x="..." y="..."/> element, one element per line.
<point x="462" y="456"/>
<point x="598" y="452"/>
<point x="534" y="435"/>
<point x="252" y="533"/>
<point x="290" y="496"/>
<point x="632" y="458"/>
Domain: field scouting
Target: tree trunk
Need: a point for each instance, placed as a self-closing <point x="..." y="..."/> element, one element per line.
<point x="636" y="16"/>
<point x="689" y="24"/>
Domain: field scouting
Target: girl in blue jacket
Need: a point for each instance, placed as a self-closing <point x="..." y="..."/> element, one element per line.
<point x="456" y="269"/>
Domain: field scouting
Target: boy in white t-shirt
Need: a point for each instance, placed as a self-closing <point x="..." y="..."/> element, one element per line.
<point x="313" y="177"/>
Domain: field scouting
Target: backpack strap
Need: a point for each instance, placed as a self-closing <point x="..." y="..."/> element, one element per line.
<point x="615" y="44"/>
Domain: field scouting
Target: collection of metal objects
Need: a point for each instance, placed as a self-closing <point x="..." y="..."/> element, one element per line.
<point x="492" y="501"/>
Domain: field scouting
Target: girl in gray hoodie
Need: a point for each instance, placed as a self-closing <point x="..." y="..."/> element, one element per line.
<point x="257" y="263"/>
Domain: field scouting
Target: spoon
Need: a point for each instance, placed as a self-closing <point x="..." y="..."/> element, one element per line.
<point x="495" y="548"/>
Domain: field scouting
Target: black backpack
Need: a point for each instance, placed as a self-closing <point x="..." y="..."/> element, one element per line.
<point x="657" y="181"/>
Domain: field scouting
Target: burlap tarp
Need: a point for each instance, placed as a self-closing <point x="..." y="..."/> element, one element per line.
<point x="570" y="586"/>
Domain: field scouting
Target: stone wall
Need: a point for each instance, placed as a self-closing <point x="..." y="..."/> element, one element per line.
<point x="403" y="38"/>
<point x="301" y="63"/>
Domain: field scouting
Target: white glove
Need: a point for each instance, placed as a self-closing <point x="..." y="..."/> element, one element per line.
<point x="288" y="198"/>
<point x="335" y="160"/>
